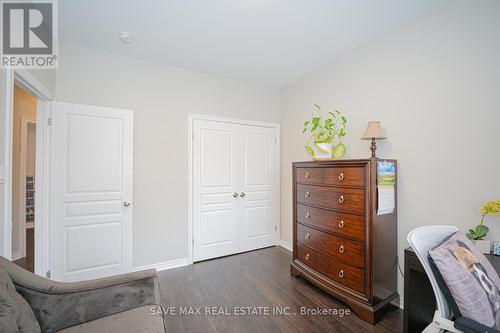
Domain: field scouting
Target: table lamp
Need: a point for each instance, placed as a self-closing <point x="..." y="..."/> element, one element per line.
<point x="373" y="132"/>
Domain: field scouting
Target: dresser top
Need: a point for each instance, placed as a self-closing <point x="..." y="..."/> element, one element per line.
<point x="360" y="161"/>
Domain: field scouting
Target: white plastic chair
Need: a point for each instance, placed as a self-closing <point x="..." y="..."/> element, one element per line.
<point x="422" y="240"/>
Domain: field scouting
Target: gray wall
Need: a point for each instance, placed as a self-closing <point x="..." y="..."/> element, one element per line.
<point x="434" y="85"/>
<point x="161" y="97"/>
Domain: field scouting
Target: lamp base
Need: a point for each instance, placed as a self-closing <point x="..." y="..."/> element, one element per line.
<point x="373" y="147"/>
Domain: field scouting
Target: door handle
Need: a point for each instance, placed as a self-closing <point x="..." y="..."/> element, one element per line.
<point x="242" y="194"/>
<point x="126" y="203"/>
<point x="235" y="195"/>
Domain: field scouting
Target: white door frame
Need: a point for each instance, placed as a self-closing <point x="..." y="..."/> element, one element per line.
<point x="25" y="121"/>
<point x="191" y="118"/>
<point x="30" y="83"/>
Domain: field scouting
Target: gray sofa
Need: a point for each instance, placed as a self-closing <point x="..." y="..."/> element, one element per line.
<point x="121" y="303"/>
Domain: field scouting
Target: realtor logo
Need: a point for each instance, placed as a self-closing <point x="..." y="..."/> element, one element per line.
<point x="29" y="34"/>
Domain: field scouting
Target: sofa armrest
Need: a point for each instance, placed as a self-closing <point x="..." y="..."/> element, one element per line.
<point x="58" y="305"/>
<point x="467" y="325"/>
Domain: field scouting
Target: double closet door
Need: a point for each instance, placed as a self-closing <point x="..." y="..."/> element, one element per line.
<point x="234" y="188"/>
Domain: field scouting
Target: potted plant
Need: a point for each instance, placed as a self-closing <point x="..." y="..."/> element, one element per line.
<point x="326" y="132"/>
<point x="490" y="208"/>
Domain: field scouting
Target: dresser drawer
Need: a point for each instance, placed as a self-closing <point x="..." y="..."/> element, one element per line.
<point x="347" y="199"/>
<point x="308" y="175"/>
<point x="348" y="251"/>
<point x="344" y="274"/>
<point x="349" y="176"/>
<point x="340" y="223"/>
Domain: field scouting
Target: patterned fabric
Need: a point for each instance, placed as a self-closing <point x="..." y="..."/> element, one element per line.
<point x="472" y="281"/>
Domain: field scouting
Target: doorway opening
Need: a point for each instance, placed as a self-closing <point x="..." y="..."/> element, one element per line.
<point x="23" y="178"/>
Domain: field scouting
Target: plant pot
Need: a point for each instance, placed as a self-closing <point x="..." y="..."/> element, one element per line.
<point x="325" y="153"/>
<point x="483" y="245"/>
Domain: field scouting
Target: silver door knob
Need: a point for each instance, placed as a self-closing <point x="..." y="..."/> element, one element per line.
<point x="341" y="199"/>
<point x="235" y="195"/>
<point x="242" y="194"/>
<point x="126" y="203"/>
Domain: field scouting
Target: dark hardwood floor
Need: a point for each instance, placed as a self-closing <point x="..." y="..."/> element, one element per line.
<point x="28" y="262"/>
<point x="255" y="279"/>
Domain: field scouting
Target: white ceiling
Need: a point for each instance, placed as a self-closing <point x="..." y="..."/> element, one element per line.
<point x="270" y="42"/>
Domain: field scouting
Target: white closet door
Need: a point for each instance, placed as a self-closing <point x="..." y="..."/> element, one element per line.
<point x="216" y="177"/>
<point x="259" y="187"/>
<point x="234" y="188"/>
<point x="91" y="191"/>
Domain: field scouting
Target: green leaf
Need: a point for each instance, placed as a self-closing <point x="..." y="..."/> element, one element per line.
<point x="310" y="151"/>
<point x="481" y="231"/>
<point x="337" y="111"/>
<point x="306" y="123"/>
<point x="320" y="139"/>
<point x="470" y="235"/>
<point x="316" y="120"/>
<point x="328" y="122"/>
<point x="344" y="119"/>
<point x="317" y="107"/>
<point x="482" y="228"/>
<point x="305" y="129"/>
<point x="342" y="132"/>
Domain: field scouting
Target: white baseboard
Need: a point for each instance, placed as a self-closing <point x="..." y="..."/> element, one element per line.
<point x="401" y="302"/>
<point x="286" y="245"/>
<point x="16" y="256"/>
<point x="162" y="266"/>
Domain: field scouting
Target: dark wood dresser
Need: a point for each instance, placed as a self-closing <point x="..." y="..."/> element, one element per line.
<point x="340" y="244"/>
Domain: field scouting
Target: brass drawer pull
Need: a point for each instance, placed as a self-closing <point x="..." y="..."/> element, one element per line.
<point x="341" y="199"/>
<point x="341" y="273"/>
<point x="307" y="236"/>
<point x="341" y="224"/>
<point x="341" y="176"/>
<point x="307" y="175"/>
<point x="308" y="215"/>
<point x="341" y="249"/>
<point x="307" y="195"/>
<point x="306" y="256"/>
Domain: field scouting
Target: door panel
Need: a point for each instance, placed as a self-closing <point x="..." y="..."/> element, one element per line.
<point x="216" y="157"/>
<point x="234" y="189"/>
<point x="259" y="202"/>
<point x="94" y="151"/>
<point x="77" y="238"/>
<point x="214" y="219"/>
<point x="257" y="158"/>
<point x="91" y="168"/>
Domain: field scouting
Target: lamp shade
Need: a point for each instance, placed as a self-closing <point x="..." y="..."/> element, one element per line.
<point x="373" y="131"/>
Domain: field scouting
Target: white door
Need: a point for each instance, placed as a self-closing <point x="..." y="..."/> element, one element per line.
<point x="259" y="187"/>
<point x="234" y="188"/>
<point x="90" y="191"/>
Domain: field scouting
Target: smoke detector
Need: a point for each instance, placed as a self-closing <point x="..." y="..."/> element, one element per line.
<point x="126" y="37"/>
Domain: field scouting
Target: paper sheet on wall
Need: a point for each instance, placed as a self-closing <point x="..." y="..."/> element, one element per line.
<point x="385" y="200"/>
